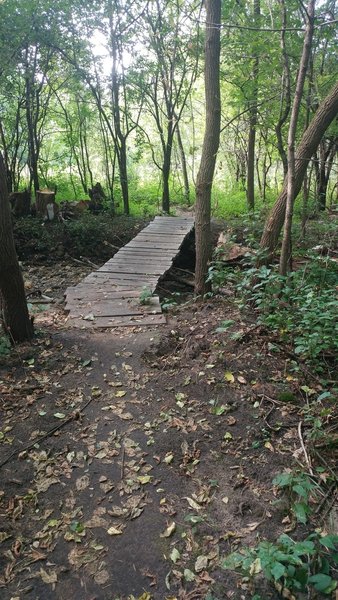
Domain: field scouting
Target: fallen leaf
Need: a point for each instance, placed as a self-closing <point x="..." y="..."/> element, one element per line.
<point x="59" y="415"/>
<point x="143" y="479"/>
<point x="228" y="376"/>
<point x="175" y="555"/>
<point x="89" y="317"/>
<point x="120" y="394"/>
<point x="101" y="577"/>
<point x="50" y="577"/>
<point x="169" y="457"/>
<point x="114" y="531"/>
<point x="169" y="530"/>
<point x="188" y="575"/>
<point x="193" y="504"/>
<point x="201" y="563"/>
<point x="82" y="483"/>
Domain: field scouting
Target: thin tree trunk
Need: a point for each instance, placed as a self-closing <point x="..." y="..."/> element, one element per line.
<point x="286" y="252"/>
<point x="250" y="183"/>
<point x="15" y="315"/>
<point x="184" y="166"/>
<point x="210" y="142"/>
<point x="165" y="182"/>
<point x="326" y="157"/>
<point x="325" y="114"/>
<point x="285" y="103"/>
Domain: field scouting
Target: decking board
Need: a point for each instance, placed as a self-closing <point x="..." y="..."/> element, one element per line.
<point x="110" y="296"/>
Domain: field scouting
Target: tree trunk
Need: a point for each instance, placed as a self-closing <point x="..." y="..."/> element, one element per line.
<point x="167" y="150"/>
<point x="327" y="154"/>
<point x="323" y="117"/>
<point x="285" y="103"/>
<point x="250" y="182"/>
<point x="184" y="166"/>
<point x="122" y="160"/>
<point x="286" y="253"/>
<point x="210" y="142"/>
<point x="15" y="315"/>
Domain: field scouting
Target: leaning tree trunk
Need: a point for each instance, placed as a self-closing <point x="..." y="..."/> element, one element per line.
<point x="323" y="117"/>
<point x="286" y="252"/>
<point x="15" y="317"/>
<point x="210" y="143"/>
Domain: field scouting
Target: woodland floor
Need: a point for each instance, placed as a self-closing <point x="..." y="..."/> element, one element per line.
<point x="162" y="462"/>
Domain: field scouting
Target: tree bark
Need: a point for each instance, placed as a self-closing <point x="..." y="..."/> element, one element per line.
<point x="286" y="252"/>
<point x="184" y="165"/>
<point x="210" y="142"/>
<point x="15" y="317"/>
<point x="325" y="114"/>
<point x="285" y="103"/>
<point x="250" y="182"/>
<point x="327" y="153"/>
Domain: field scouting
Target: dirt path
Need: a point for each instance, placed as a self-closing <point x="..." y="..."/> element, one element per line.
<point x="167" y="468"/>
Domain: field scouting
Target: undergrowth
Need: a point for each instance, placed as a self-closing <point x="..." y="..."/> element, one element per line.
<point x="293" y="566"/>
<point x="92" y="236"/>
<point x="302" y="308"/>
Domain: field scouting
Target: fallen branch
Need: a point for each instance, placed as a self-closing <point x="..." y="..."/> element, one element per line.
<point x="83" y="261"/>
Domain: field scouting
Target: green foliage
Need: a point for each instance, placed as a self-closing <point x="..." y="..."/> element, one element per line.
<point x="145" y="295"/>
<point x="295" y="565"/>
<point x="301" y="308"/>
<point x="299" y="487"/>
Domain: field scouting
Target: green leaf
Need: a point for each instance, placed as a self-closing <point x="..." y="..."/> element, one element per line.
<point x="329" y="541"/>
<point x="278" y="570"/>
<point x="175" y="555"/>
<point x="189" y="575"/>
<point x="282" y="479"/>
<point x="320" y="582"/>
<point x="301" y="511"/>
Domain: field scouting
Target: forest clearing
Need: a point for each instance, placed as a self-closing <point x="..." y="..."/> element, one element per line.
<point x="168" y="300"/>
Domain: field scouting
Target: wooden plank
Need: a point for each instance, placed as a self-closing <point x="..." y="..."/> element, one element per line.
<point x="161" y="253"/>
<point x="163" y="239"/>
<point x="140" y="262"/>
<point x="110" y="310"/>
<point x="149" y="245"/>
<point x="115" y="277"/>
<point x="91" y="294"/>
<point x="106" y="322"/>
<point x="133" y="270"/>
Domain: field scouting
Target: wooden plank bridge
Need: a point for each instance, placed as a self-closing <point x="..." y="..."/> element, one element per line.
<point x="110" y="296"/>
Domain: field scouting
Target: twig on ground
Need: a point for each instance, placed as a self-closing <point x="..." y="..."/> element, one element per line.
<point x="122" y="463"/>
<point x="307" y="458"/>
<point x="325" y="497"/>
<point x="90" y="262"/>
<point x="83" y="261"/>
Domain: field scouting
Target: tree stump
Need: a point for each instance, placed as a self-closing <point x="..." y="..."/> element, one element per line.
<point x="21" y="203"/>
<point x="46" y="205"/>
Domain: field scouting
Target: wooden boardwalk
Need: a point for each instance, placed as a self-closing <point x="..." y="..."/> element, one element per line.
<point x="110" y="296"/>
